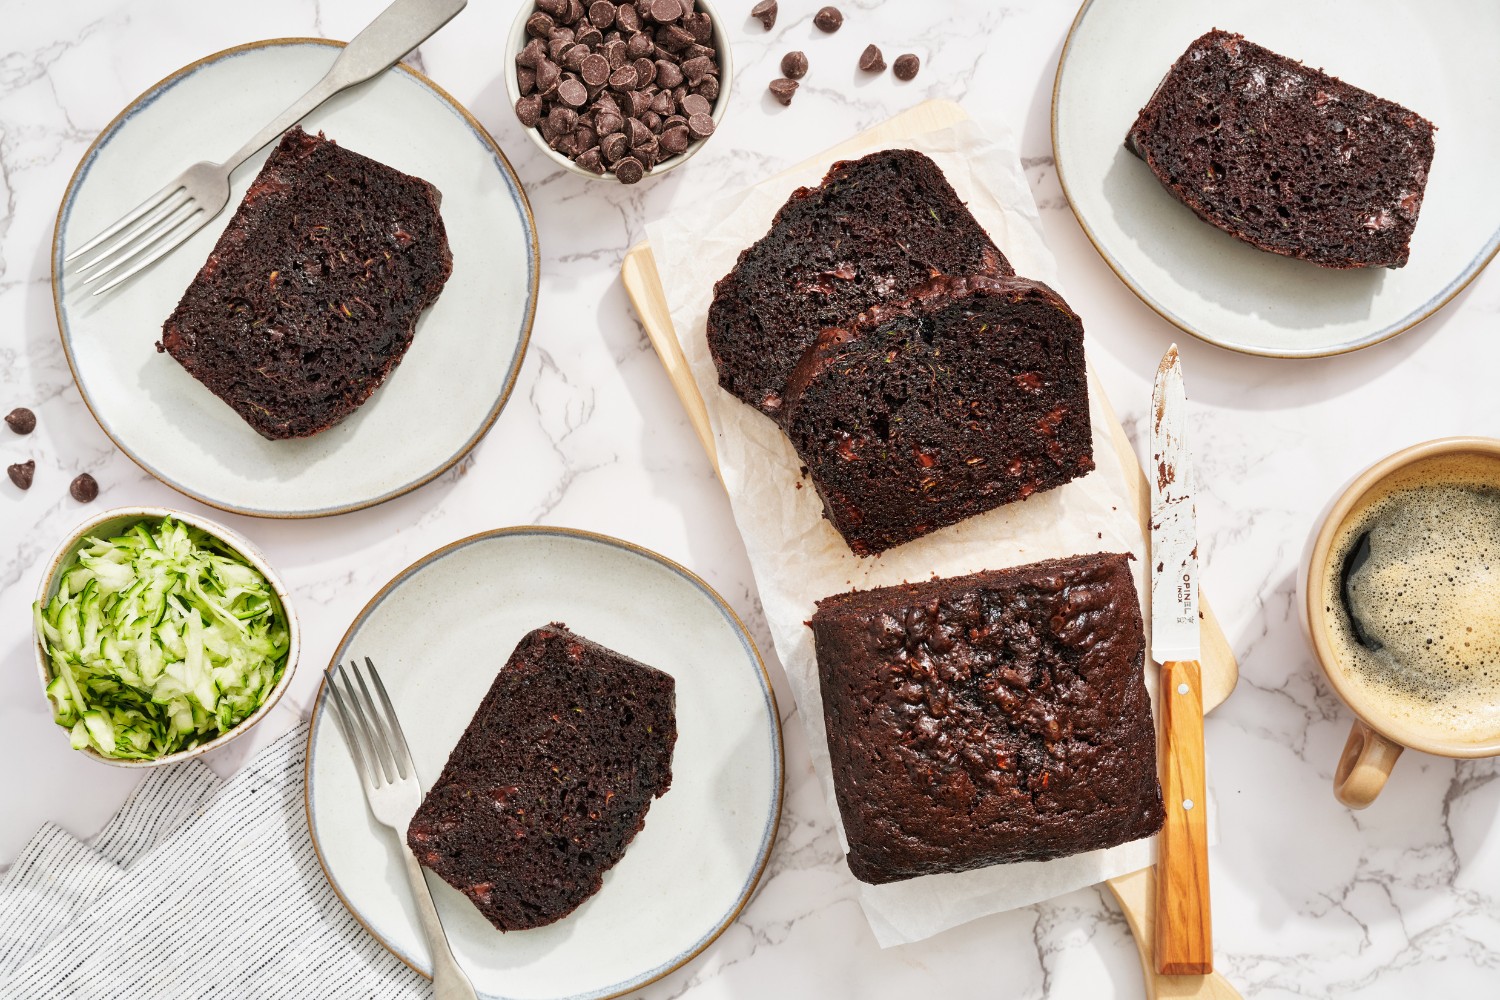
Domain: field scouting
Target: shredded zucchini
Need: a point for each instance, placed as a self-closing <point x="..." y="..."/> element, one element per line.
<point x="159" y="639"/>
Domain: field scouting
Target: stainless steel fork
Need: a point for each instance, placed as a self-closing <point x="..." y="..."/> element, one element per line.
<point x="391" y="788"/>
<point x="162" y="222"/>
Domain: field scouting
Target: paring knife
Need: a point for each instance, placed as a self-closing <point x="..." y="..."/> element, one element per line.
<point x="1184" y="940"/>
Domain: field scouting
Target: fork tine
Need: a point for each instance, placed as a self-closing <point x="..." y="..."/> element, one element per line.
<point x="346" y="724"/>
<point x="129" y="238"/>
<point x="398" y="738"/>
<point x="163" y="245"/>
<point x="156" y="199"/>
<point x="123" y="255"/>
<point x="383" y="742"/>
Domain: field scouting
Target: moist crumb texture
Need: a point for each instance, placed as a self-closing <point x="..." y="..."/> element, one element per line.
<point x="311" y="296"/>
<point x="551" y="780"/>
<point x="1286" y="157"/>
<point x="970" y="394"/>
<point x="988" y="719"/>
<point x="872" y="231"/>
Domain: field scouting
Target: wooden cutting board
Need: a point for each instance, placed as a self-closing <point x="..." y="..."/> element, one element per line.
<point x="1136" y="891"/>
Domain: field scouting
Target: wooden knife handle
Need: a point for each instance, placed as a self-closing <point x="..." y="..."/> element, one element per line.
<point x="1184" y="937"/>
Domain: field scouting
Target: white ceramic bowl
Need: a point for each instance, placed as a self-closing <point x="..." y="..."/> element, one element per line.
<point x="517" y="41"/>
<point x="112" y="522"/>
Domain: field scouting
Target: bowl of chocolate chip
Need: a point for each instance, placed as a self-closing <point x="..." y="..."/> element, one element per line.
<point x="619" y="91"/>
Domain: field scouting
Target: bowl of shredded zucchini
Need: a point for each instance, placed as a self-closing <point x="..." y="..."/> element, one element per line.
<point x="160" y="635"/>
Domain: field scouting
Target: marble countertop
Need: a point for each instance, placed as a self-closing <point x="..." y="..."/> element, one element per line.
<point x="1310" y="898"/>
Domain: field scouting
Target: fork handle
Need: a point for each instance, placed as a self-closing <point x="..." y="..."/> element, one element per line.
<point x="397" y="30"/>
<point x="448" y="980"/>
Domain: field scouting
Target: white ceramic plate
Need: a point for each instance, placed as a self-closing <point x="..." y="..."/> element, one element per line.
<point x="1435" y="57"/>
<point x="438" y="402"/>
<point x="439" y="633"/>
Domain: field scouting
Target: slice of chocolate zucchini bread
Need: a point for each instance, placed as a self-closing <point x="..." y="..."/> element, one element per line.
<point x="873" y="230"/>
<point x="988" y="719"/>
<point x="1286" y="157"/>
<point x="551" y="780"/>
<point x="971" y="394"/>
<point x="311" y="295"/>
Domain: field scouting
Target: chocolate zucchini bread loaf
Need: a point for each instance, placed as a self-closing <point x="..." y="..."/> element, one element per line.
<point x="871" y="232"/>
<point x="969" y="395"/>
<point x="988" y="719"/>
<point x="1286" y="157"/>
<point x="312" y="294"/>
<point x="551" y="780"/>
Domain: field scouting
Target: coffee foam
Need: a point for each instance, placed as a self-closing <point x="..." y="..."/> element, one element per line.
<point x="1429" y="595"/>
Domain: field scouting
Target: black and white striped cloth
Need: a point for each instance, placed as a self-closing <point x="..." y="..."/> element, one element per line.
<point x="198" y="888"/>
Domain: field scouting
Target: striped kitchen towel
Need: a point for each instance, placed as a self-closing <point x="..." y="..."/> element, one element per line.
<point x="197" y="888"/>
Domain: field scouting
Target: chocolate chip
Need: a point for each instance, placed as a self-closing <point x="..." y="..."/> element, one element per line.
<point x="629" y="170"/>
<point x="563" y="119"/>
<point x="675" y="140"/>
<point x="539" y="25"/>
<point x="647" y="152"/>
<point x="525" y="79"/>
<point x="668" y="74"/>
<point x="548" y="76"/>
<point x="794" y="65"/>
<point x="590" y="161"/>
<point x="708" y="89"/>
<point x="595" y="70"/>
<point x="662" y="103"/>
<point x="828" y="19"/>
<point x="612" y="147"/>
<point x="573" y="57"/>
<point x="696" y="104"/>
<point x="906" y="66"/>
<point x="696" y="69"/>
<point x="676" y="39"/>
<point x="665" y="11"/>
<point x="640" y="103"/>
<point x="626" y="19"/>
<point x="608" y="122"/>
<point x="529" y="110"/>
<point x="782" y="89"/>
<point x="555" y="8"/>
<point x="699" y="25"/>
<point x="21" y="420"/>
<point x="645" y="72"/>
<point x="573" y="93"/>
<point x="765" y="11"/>
<point x="601" y="13"/>
<point x="22" y="473"/>
<point x="590" y="36"/>
<point x="534" y="52"/>
<point x="871" y="60"/>
<point x="623" y="78"/>
<point x="84" y="488"/>
<point x="615" y="52"/>
<point x="702" y="126"/>
<point x="574" y="13"/>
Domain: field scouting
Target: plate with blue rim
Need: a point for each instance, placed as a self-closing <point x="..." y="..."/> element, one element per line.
<point x="439" y="633"/>
<point x="1436" y="59"/>
<point x="437" y="403"/>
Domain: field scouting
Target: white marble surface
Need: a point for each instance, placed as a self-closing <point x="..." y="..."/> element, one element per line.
<point x="1310" y="899"/>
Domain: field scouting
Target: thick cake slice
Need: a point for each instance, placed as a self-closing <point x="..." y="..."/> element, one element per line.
<point x="551" y="781"/>
<point x="876" y="228"/>
<point x="969" y="395"/>
<point x="1285" y="157"/>
<point x="988" y="719"/>
<point x="312" y="294"/>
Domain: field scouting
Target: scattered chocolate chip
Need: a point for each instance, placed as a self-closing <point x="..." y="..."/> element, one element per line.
<point x="828" y="19"/>
<point x="794" y="65"/>
<point x="906" y="66"/>
<point x="629" y="170"/>
<point x="782" y="89"/>
<point x="871" y="60"/>
<point x="765" y="12"/>
<point x="22" y="473"/>
<point x="21" y="420"/>
<point x="84" y="487"/>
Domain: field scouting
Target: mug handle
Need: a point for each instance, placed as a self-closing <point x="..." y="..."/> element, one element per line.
<point x="1364" y="765"/>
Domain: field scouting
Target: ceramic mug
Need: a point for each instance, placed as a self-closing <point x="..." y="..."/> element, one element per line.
<point x="1378" y="734"/>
